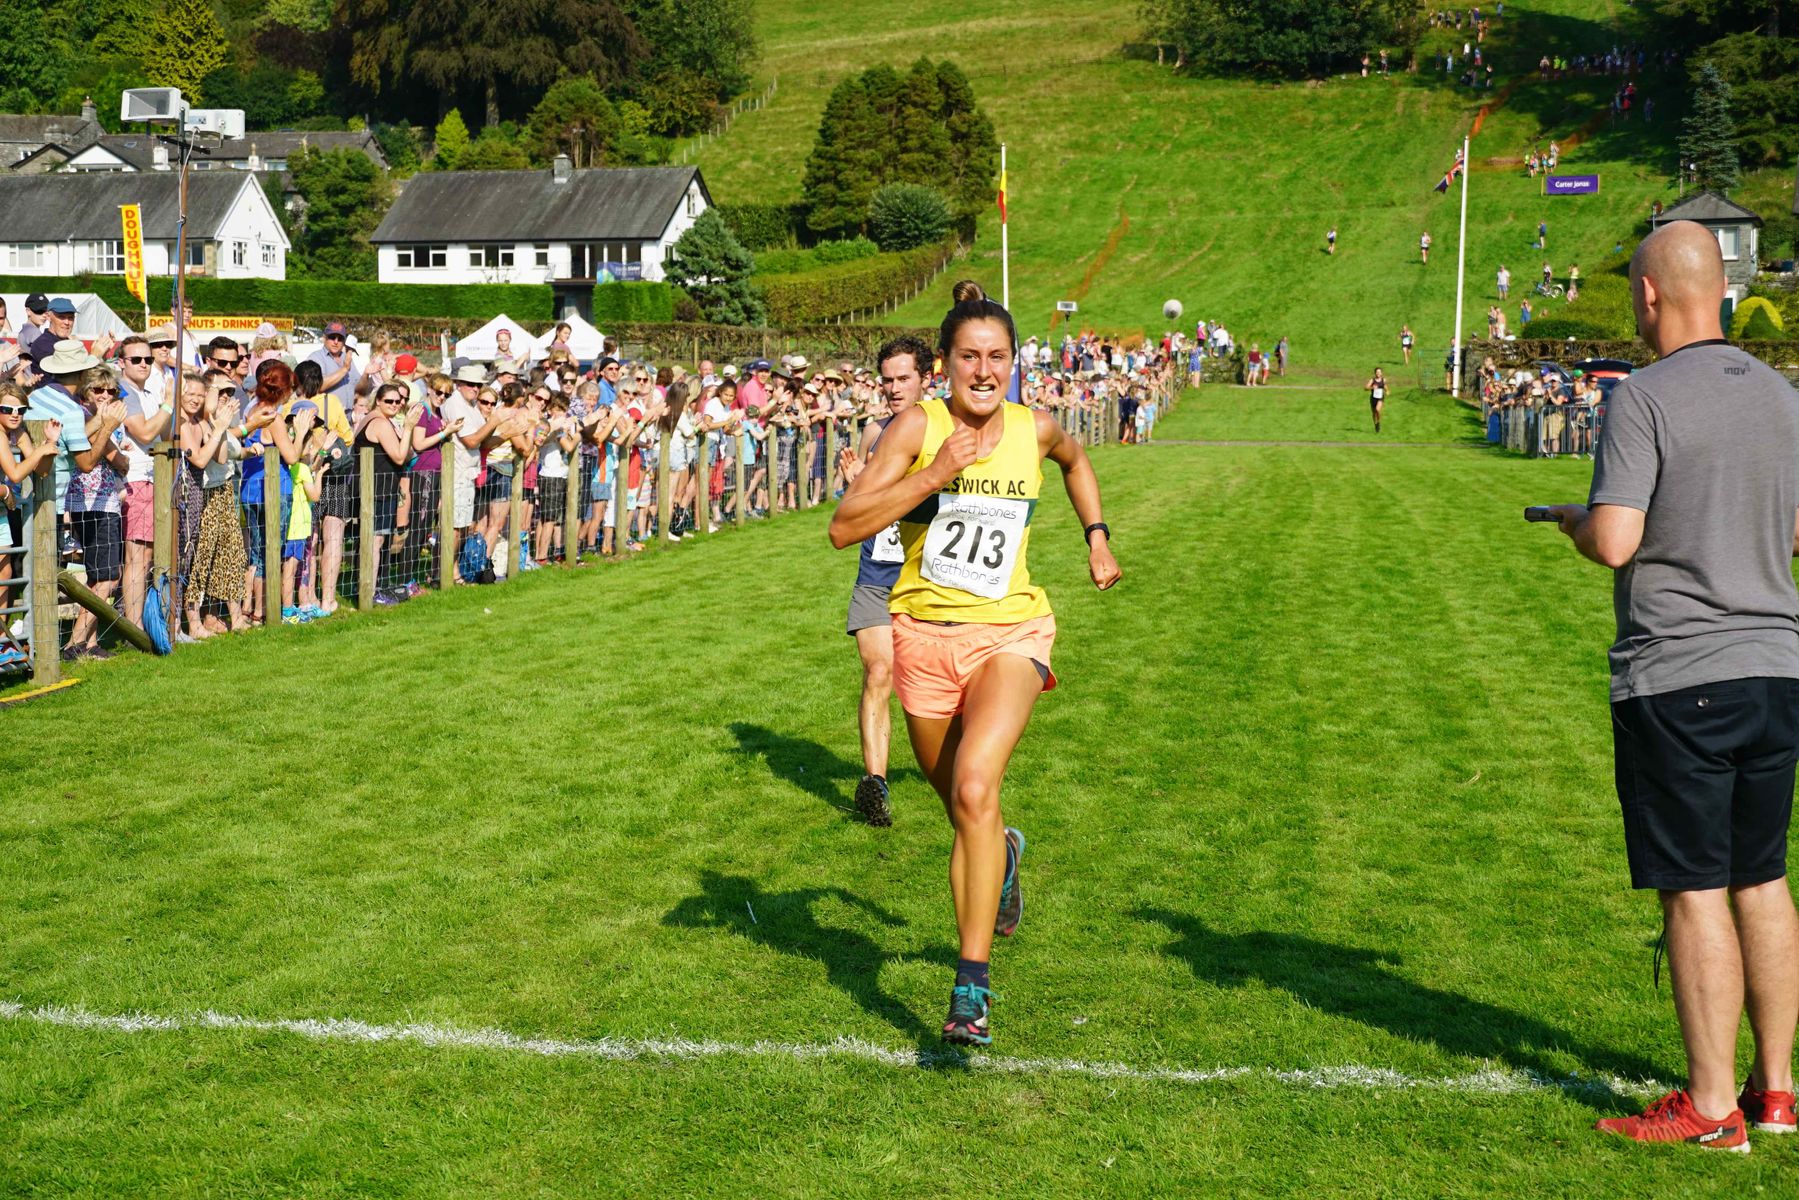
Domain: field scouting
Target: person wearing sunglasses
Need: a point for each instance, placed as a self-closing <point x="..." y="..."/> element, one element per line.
<point x="389" y="434"/>
<point x="95" y="502"/>
<point x="148" y="424"/>
<point x="20" y="461"/>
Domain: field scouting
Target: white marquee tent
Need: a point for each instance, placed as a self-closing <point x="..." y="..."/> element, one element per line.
<point x="483" y="344"/>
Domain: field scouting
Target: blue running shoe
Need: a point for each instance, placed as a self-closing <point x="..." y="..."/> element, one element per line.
<point x="1011" y="900"/>
<point x="967" y="1024"/>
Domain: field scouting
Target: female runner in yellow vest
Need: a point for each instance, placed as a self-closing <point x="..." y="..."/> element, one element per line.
<point x="971" y="634"/>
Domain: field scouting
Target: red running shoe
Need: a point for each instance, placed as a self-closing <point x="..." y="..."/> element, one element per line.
<point x="1674" y="1119"/>
<point x="1768" y="1112"/>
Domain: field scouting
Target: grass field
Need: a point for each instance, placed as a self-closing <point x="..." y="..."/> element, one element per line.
<point x="1325" y="887"/>
<point x="1130" y="185"/>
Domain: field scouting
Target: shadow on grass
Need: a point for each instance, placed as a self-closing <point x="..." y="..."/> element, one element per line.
<point x="808" y="765"/>
<point x="1349" y="981"/>
<point x="785" y="921"/>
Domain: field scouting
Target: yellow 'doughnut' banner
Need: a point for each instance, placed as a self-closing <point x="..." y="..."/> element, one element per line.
<point x="133" y="217"/>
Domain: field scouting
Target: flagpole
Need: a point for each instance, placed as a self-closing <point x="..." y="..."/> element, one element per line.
<point x="1005" y="250"/>
<point x="1461" y="266"/>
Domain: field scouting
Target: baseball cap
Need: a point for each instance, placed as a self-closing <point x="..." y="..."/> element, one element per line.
<point x="37" y="302"/>
<point x="728" y="371"/>
<point x="62" y="306"/>
<point x="336" y="329"/>
<point x="406" y="364"/>
<point x="761" y="364"/>
<point x="608" y="361"/>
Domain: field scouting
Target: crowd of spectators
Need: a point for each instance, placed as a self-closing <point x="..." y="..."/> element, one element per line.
<point x="1541" y="411"/>
<point x="541" y="422"/>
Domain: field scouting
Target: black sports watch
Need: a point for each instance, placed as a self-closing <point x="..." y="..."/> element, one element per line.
<point x="1101" y="525"/>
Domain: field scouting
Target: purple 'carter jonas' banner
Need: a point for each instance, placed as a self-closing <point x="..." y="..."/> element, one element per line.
<point x="1571" y="185"/>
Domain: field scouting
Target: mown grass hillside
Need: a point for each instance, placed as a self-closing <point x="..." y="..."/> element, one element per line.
<point x="1130" y="185"/>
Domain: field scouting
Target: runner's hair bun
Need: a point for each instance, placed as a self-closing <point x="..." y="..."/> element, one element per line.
<point x="966" y="290"/>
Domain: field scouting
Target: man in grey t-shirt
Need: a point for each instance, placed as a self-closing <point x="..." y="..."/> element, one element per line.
<point x="1694" y="502"/>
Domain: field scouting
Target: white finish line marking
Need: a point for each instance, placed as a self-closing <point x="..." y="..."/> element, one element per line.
<point x="1498" y="1081"/>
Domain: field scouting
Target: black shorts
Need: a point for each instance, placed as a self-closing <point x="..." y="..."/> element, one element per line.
<point x="338" y="493"/>
<point x="102" y="538"/>
<point x="552" y="499"/>
<point x="1705" y="779"/>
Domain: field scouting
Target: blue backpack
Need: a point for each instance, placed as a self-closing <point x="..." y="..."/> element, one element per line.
<point x="472" y="562"/>
<point x="156" y="612"/>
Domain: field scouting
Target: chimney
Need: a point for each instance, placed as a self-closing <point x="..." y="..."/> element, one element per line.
<point x="159" y="157"/>
<point x="89" y="112"/>
<point x="560" y="169"/>
<point x="255" y="160"/>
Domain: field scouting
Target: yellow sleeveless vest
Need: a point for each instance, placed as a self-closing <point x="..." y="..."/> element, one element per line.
<point x="966" y="546"/>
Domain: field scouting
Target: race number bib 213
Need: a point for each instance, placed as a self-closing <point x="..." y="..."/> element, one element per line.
<point x="972" y="544"/>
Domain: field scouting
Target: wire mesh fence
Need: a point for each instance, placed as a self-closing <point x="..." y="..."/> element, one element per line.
<point x="289" y="527"/>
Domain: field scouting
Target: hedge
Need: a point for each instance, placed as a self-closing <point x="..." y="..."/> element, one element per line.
<point x="633" y="301"/>
<point x="691" y="342"/>
<point x="762" y="226"/>
<point x="283" y="298"/>
<point x="1774" y="327"/>
<point x="831" y="293"/>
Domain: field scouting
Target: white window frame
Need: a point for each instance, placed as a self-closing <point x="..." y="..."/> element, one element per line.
<point x="240" y="254"/>
<point x="435" y="255"/>
<point x="540" y="254"/>
<point x="106" y="257"/>
<point x="491" y="256"/>
<point x="26" y="256"/>
<point x="268" y="254"/>
<point x="1734" y="250"/>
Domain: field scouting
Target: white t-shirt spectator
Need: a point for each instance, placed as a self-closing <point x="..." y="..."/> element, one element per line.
<point x="453" y="408"/>
<point x="137" y="404"/>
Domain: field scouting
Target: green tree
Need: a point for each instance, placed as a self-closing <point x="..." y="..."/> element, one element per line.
<point x="844" y="168"/>
<point x="574" y="118"/>
<point x="678" y="103"/>
<point x="921" y="143"/>
<point x="184" y="43"/>
<point x="712" y="39"/>
<point x="903" y="216"/>
<point x="519" y="47"/>
<point x="1277" y="37"/>
<point x="450" y="141"/>
<point x="344" y="197"/>
<point x="34" y="59"/>
<point x="400" y="146"/>
<point x="494" y="151"/>
<point x="1708" y="134"/>
<point x="1760" y="327"/>
<point x="971" y="170"/>
<point x="1763" y="74"/>
<point x="714" y="268"/>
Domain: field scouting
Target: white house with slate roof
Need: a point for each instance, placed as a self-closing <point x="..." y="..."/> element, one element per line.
<point x="67" y="223"/>
<point x="555" y="226"/>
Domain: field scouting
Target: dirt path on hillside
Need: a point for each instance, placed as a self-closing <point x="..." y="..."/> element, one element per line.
<point x="1098" y="264"/>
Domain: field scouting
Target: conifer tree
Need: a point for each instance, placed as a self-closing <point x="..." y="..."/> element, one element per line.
<point x="183" y="45"/>
<point x="714" y="268"/>
<point x="843" y="170"/>
<point x="1708" y="140"/>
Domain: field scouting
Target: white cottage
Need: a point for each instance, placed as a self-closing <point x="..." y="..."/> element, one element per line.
<point x="559" y="226"/>
<point x="68" y="224"/>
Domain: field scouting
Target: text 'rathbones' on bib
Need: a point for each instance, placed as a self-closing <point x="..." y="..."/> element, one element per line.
<point x="972" y="544"/>
<point x="888" y="548"/>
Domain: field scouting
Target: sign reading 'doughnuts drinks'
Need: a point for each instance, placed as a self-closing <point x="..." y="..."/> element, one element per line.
<point x="1571" y="185"/>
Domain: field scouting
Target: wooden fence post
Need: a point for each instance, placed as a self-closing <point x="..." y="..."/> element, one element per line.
<point x="515" y="512"/>
<point x="273" y="535"/>
<point x="743" y="503"/>
<point x="824" y="492"/>
<point x="571" y="508"/>
<point x="446" y="519"/>
<point x="805" y="458"/>
<point x="367" y="560"/>
<point x="46" y="629"/>
<point x="665" y="505"/>
<point x="162" y="555"/>
<point x="702" y="492"/>
<point x="618" y="476"/>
